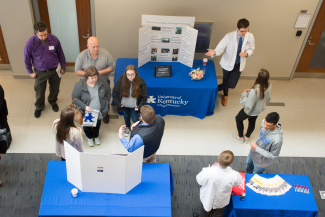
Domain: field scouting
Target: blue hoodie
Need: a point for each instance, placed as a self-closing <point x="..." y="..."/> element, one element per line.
<point x="269" y="146"/>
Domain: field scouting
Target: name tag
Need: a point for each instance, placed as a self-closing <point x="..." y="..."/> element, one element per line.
<point x="51" y="47"/>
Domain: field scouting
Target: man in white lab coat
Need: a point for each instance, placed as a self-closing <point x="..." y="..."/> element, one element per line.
<point x="216" y="185"/>
<point x="236" y="47"/>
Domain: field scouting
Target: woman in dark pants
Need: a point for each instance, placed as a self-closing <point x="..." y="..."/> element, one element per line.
<point x="92" y="93"/>
<point x="254" y="101"/>
<point x="129" y="95"/>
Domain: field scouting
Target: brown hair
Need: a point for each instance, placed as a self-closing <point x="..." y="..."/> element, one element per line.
<point x="148" y="114"/>
<point x="63" y="126"/>
<point x="242" y="23"/>
<point x="91" y="71"/>
<point x="136" y="90"/>
<point x="262" y="80"/>
<point x="40" y="27"/>
<point x="226" y="158"/>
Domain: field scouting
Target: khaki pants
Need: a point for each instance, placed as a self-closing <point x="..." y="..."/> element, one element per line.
<point x="40" y="87"/>
<point x="150" y="159"/>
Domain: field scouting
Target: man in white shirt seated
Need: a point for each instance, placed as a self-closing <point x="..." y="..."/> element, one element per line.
<point x="216" y="185"/>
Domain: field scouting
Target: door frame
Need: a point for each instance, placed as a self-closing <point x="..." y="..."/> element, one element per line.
<point x="306" y="39"/>
<point x="42" y="14"/>
<point x="3" y="52"/>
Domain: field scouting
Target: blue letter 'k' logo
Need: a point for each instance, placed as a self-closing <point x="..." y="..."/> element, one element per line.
<point x="89" y="117"/>
<point x="151" y="99"/>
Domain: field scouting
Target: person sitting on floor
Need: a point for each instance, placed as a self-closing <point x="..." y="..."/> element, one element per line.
<point x="147" y="132"/>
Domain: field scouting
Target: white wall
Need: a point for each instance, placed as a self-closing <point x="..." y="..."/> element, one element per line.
<point x="17" y="28"/>
<point x="272" y="23"/>
<point x="118" y="22"/>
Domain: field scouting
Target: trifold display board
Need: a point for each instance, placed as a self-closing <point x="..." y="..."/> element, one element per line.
<point x="167" y="39"/>
<point x="103" y="173"/>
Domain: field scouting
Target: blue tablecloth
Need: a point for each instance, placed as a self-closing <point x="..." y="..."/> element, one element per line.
<point x="177" y="95"/>
<point x="152" y="197"/>
<point x="291" y="204"/>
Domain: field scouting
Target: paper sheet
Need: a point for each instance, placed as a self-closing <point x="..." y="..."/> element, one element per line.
<point x="302" y="21"/>
<point x="144" y="45"/>
<point x="58" y="70"/>
<point x="187" y="51"/>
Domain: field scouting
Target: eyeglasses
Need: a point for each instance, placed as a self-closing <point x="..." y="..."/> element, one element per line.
<point x="241" y="31"/>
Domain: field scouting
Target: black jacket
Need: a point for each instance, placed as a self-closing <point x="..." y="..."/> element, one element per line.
<point x="117" y="94"/>
<point x="3" y="106"/>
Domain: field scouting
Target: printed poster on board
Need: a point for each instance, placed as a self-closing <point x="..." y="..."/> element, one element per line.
<point x="167" y="39"/>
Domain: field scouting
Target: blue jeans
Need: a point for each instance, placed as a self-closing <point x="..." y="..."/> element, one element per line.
<point x="130" y="113"/>
<point x="251" y="167"/>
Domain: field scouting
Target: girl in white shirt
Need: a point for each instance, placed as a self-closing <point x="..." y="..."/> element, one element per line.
<point x="65" y="129"/>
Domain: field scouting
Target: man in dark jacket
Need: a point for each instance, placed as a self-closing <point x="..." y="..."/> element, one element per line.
<point x="147" y="132"/>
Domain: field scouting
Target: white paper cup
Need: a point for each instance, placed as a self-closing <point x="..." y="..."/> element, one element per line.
<point x="74" y="192"/>
<point x="205" y="61"/>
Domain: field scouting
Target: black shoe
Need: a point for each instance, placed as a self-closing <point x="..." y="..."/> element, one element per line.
<point x="55" y="107"/>
<point x="195" y="214"/>
<point x="37" y="113"/>
<point x="106" y="119"/>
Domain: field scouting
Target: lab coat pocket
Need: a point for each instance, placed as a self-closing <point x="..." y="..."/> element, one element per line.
<point x="245" y="47"/>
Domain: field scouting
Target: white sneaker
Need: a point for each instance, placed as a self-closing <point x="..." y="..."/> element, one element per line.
<point x="235" y="137"/>
<point x="91" y="142"/>
<point x="126" y="132"/>
<point x="97" y="141"/>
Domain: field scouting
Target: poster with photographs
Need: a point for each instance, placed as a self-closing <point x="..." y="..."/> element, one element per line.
<point x="168" y="36"/>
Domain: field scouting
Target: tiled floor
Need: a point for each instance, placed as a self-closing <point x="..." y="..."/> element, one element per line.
<point x="302" y="119"/>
